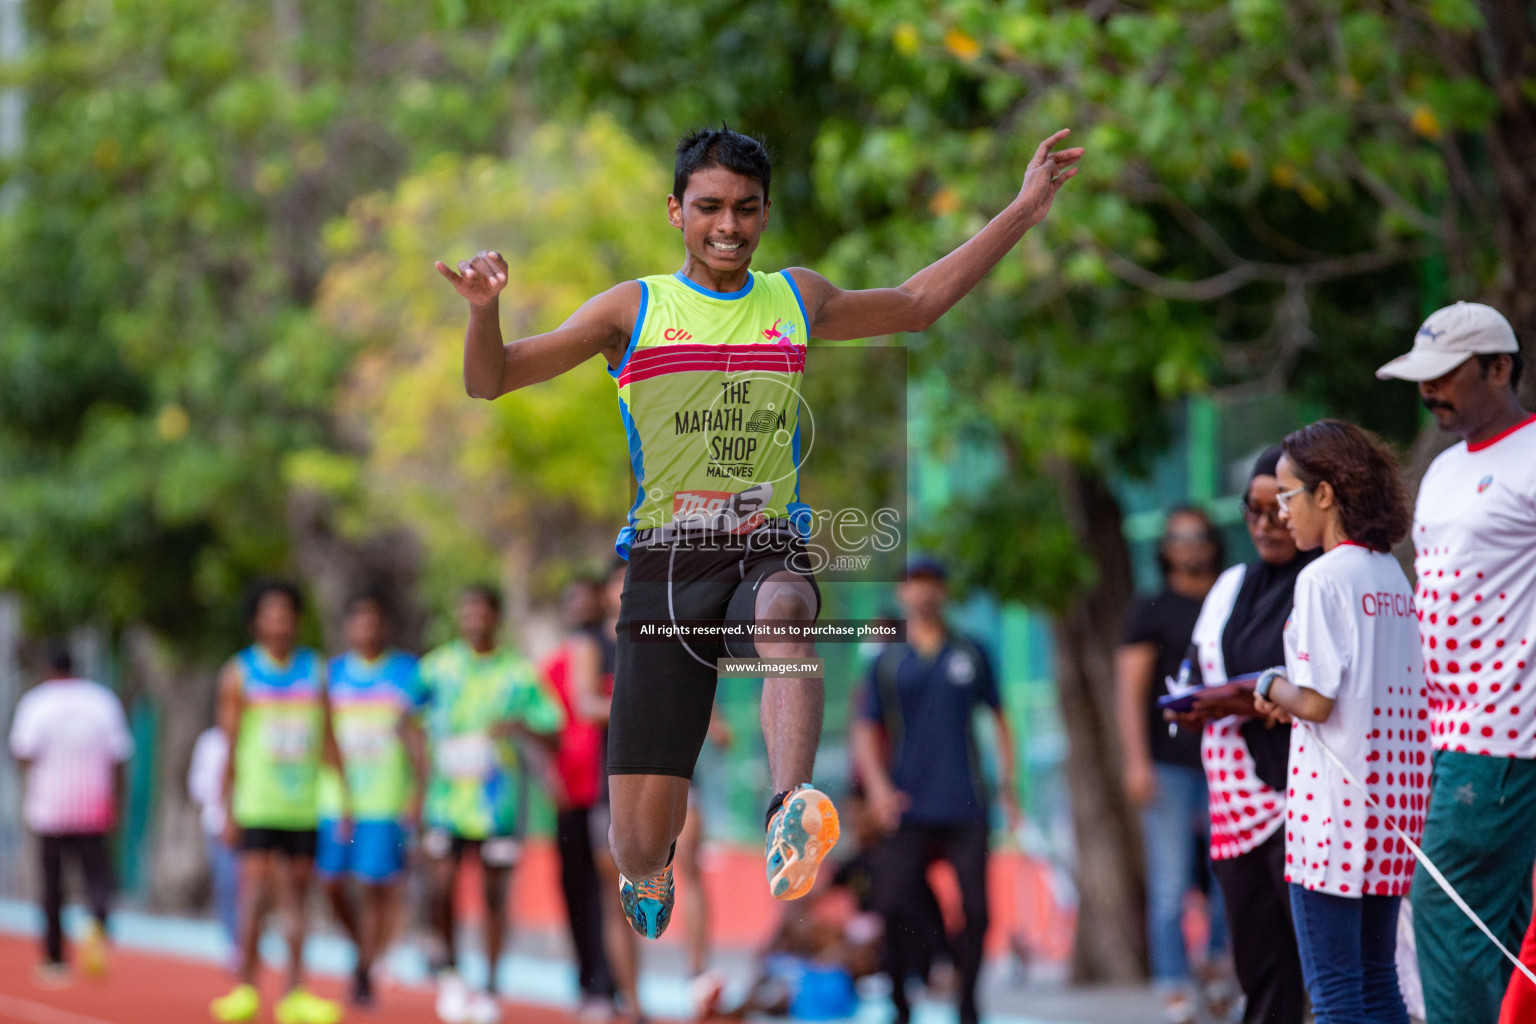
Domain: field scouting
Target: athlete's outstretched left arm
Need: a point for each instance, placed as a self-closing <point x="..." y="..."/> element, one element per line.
<point x="837" y="315"/>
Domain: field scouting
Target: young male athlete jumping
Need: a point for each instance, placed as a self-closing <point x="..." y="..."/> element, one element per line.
<point x="708" y="364"/>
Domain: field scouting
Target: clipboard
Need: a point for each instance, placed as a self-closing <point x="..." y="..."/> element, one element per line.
<point x="1231" y="688"/>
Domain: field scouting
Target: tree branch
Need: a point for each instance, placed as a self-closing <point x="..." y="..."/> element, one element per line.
<point x="1229" y="281"/>
<point x="1387" y="197"/>
<point x="1276" y="240"/>
<point x="1189" y="220"/>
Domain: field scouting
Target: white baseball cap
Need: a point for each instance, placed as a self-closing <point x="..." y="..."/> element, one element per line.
<point x="1449" y="338"/>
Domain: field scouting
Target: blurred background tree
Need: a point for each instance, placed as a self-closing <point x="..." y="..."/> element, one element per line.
<point x="159" y="363"/>
<point x="544" y="471"/>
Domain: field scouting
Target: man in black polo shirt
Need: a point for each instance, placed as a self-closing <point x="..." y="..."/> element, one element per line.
<point x="924" y="775"/>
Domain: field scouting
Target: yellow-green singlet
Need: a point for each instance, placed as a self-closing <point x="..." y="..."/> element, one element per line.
<point x="709" y="391"/>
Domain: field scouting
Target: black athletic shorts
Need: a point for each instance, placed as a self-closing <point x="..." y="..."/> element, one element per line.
<point x="664" y="690"/>
<point x="286" y="841"/>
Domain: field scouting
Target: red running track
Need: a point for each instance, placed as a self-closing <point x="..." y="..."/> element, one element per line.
<point x="144" y="988"/>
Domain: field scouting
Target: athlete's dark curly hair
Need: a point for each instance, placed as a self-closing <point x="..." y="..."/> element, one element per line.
<point x="261" y="588"/>
<point x="1364" y="475"/>
<point x="375" y="597"/>
<point x="720" y="147"/>
<point x="486" y="592"/>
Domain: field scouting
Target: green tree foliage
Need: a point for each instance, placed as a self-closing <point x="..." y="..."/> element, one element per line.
<point x="542" y="473"/>
<point x="1265" y="182"/>
<point x="158" y="249"/>
<point x="159" y="365"/>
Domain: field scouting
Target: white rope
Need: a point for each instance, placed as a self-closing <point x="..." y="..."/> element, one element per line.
<point x="1419" y="854"/>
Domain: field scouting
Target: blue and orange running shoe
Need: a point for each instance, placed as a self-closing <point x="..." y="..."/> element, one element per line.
<point x="800" y="834"/>
<point x="648" y="904"/>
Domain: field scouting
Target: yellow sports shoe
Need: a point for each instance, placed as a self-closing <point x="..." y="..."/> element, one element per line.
<point x="240" y="1005"/>
<point x="302" y="1007"/>
<point x="93" y="951"/>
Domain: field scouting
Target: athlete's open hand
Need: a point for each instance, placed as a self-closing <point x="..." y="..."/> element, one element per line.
<point x="479" y="279"/>
<point x="1046" y="173"/>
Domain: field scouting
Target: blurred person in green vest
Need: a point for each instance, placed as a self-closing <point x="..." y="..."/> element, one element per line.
<point x="485" y="712"/>
<point x="273" y="707"/>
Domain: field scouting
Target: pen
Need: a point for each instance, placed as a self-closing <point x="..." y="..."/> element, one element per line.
<point x="1185" y="667"/>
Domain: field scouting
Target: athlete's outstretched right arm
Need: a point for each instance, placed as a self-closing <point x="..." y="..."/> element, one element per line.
<point x="493" y="368"/>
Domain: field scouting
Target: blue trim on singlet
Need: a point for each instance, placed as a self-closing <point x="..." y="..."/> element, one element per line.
<point x="803" y="314"/>
<point x="636" y="463"/>
<point x="739" y="293"/>
<point x="634" y="335"/>
<point x="261" y="676"/>
<point x="800" y="514"/>
<point x="349" y="678"/>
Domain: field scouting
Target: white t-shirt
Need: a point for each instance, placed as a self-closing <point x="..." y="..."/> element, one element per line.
<point x="74" y="733"/>
<point x="1474" y="539"/>
<point x="1244" y="811"/>
<point x="1353" y="636"/>
<point x="205" y="778"/>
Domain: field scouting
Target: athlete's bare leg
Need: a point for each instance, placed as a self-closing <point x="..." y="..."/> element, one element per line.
<point x="442" y="873"/>
<point x="381" y="917"/>
<point x="792" y="705"/>
<point x="257" y="882"/>
<point x="648" y="816"/>
<point x="339" y="893"/>
<point x="498" y="882"/>
<point x="619" y="938"/>
<point x="293" y="874"/>
<point x="696" y="903"/>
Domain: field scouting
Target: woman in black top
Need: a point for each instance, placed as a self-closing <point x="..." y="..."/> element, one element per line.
<point x="1240" y="631"/>
<point x="1162" y="774"/>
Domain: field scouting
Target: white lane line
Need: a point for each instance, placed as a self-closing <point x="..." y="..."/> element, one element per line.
<point x="39" y="1013"/>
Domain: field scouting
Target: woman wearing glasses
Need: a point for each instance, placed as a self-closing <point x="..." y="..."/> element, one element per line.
<point x="1241" y="631"/>
<point x="1354" y="674"/>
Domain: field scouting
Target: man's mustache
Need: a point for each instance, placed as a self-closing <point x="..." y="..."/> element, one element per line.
<point x="1435" y="403"/>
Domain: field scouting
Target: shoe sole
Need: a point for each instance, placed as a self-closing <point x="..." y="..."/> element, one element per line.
<point x="630" y="903"/>
<point x="640" y="927"/>
<point x="796" y="879"/>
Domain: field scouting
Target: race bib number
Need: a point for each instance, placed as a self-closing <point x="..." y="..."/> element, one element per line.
<point x="289" y="739"/>
<point x="500" y="852"/>
<point x="722" y="511"/>
<point x="365" y="741"/>
<point x="470" y="756"/>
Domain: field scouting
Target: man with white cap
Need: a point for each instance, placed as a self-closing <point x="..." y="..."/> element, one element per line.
<point x="1474" y="538"/>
